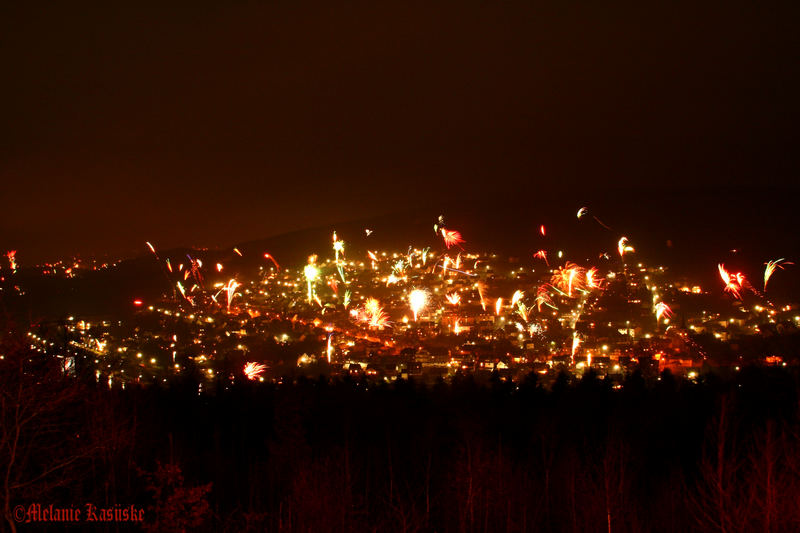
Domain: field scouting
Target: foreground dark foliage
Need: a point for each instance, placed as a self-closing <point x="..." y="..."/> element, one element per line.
<point x="720" y="455"/>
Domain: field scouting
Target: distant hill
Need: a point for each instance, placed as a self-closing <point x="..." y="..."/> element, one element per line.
<point x="688" y="232"/>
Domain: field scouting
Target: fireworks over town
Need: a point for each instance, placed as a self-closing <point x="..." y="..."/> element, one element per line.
<point x="452" y="268"/>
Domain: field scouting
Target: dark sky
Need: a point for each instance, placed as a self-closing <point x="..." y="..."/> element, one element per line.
<point x="202" y="124"/>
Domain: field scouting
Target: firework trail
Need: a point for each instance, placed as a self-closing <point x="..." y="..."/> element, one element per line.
<point x="194" y="268"/>
<point x="399" y="268"/>
<point x="338" y="248"/>
<point x="576" y="342"/>
<point x="600" y="222"/>
<point x="446" y="269"/>
<point x="268" y="256"/>
<point x="770" y="269"/>
<point x="516" y="297"/>
<point x="161" y="267"/>
<point x="439" y="224"/>
<point x="334" y="284"/>
<point x="583" y="211"/>
<point x="481" y="294"/>
<point x="11" y="255"/>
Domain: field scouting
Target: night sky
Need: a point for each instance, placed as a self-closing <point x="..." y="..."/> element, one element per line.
<point x="209" y="125"/>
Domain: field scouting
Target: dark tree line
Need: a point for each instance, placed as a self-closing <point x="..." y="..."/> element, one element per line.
<point x="320" y="455"/>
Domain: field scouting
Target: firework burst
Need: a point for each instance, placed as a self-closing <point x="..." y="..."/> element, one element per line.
<point x="372" y="314"/>
<point x="542" y="254"/>
<point x="733" y="283"/>
<point x="453" y="298"/>
<point x="568" y="278"/>
<point x="663" y="310"/>
<point x="311" y="272"/>
<point x="451" y="237"/>
<point x="253" y="371"/>
<point x="230" y="290"/>
<point x="11" y="255"/>
<point x="623" y="247"/>
<point x="417" y="299"/>
<point x="543" y="298"/>
<point x="592" y="281"/>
